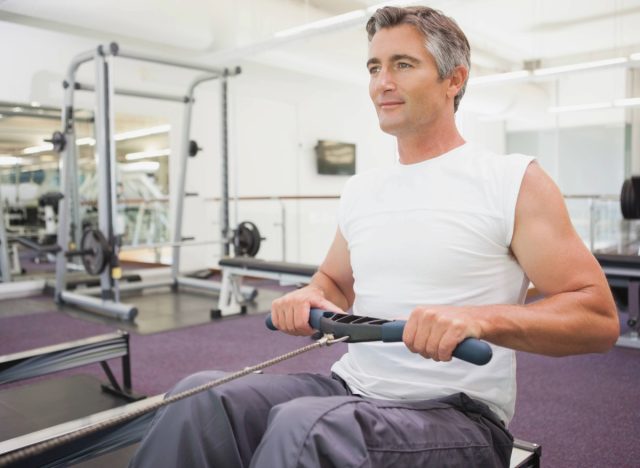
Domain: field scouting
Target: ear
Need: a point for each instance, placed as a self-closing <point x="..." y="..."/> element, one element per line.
<point x="456" y="80"/>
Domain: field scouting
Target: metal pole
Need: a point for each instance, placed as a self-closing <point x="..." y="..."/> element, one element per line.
<point x="163" y="61"/>
<point x="283" y="214"/>
<point x="182" y="177"/>
<point x="224" y="228"/>
<point x="67" y="155"/>
<point x="592" y="221"/>
<point x="135" y="93"/>
<point x="5" y="267"/>
<point x="106" y="163"/>
<point x="74" y="186"/>
<point x="42" y="116"/>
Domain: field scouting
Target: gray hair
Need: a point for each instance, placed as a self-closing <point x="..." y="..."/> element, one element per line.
<point x="444" y="39"/>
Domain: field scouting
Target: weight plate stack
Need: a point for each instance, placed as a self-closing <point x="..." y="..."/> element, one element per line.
<point x="96" y="251"/>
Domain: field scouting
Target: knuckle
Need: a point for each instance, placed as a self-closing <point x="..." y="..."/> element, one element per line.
<point x="444" y="352"/>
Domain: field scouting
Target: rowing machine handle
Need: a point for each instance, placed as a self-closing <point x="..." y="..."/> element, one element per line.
<point x="470" y="350"/>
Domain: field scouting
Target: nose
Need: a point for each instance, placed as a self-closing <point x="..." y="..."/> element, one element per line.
<point x="383" y="80"/>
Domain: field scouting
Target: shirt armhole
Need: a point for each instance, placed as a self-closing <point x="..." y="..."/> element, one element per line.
<point x="516" y="170"/>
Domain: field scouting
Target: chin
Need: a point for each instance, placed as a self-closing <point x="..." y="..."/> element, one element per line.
<point x="390" y="128"/>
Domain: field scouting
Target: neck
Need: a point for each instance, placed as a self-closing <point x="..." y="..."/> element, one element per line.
<point x="418" y="146"/>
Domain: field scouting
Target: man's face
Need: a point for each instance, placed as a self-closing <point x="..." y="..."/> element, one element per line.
<point x="404" y="84"/>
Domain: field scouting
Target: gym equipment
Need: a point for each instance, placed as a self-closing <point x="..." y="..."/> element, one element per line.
<point x="31" y="226"/>
<point x="234" y="269"/>
<point x="11" y="451"/>
<point x="193" y="148"/>
<point x="49" y="359"/>
<point x="5" y="265"/>
<point x="246" y="239"/>
<point x="58" y="140"/>
<point x="109" y="430"/>
<point x="358" y="329"/>
<point x="94" y="252"/>
<point x="623" y="271"/>
<point x="525" y="454"/>
<point x="630" y="198"/>
<point x="41" y="361"/>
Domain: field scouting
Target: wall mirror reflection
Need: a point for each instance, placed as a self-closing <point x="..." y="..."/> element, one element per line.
<point x="30" y="181"/>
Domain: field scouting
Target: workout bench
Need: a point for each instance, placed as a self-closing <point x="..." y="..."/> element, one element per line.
<point x="623" y="272"/>
<point x="234" y="269"/>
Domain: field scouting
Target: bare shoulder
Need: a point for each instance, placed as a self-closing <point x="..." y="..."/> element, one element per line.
<point x="545" y="242"/>
<point x="541" y="213"/>
<point x="537" y="183"/>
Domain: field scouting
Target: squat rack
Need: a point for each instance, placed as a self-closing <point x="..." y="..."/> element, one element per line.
<point x="70" y="226"/>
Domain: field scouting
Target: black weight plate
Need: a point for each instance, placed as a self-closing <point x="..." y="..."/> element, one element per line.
<point x="634" y="200"/>
<point x="94" y="241"/>
<point x="58" y="140"/>
<point x="247" y="239"/>
<point x="624" y="204"/>
<point x="193" y="148"/>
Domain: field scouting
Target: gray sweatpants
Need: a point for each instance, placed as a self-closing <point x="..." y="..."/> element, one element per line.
<point x="309" y="420"/>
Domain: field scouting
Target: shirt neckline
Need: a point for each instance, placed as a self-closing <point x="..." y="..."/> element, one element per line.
<point x="435" y="160"/>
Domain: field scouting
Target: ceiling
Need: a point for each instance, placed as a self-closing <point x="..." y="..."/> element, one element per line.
<point x="503" y="33"/>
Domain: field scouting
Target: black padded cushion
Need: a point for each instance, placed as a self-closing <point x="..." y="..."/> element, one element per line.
<point x="273" y="267"/>
<point x="619" y="261"/>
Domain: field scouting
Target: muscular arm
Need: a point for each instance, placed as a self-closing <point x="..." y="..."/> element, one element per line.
<point x="577" y="315"/>
<point x="335" y="277"/>
<point x="331" y="288"/>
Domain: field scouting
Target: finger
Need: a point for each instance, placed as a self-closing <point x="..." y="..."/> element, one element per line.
<point x="453" y="335"/>
<point x="302" y="320"/>
<point x="432" y="346"/>
<point x="409" y="333"/>
<point x="299" y="309"/>
<point x="423" y="334"/>
<point x="290" y="317"/>
<point x="275" y="306"/>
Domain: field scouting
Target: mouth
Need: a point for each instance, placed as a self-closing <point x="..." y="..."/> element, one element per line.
<point x="387" y="105"/>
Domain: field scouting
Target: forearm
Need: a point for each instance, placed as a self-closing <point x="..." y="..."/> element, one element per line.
<point x="331" y="290"/>
<point x="576" y="322"/>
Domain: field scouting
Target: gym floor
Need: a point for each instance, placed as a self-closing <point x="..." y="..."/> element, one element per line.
<point x="558" y="399"/>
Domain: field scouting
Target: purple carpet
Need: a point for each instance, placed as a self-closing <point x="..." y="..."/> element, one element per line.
<point x="582" y="409"/>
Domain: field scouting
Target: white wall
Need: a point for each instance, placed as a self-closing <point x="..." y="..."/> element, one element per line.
<point x="584" y="151"/>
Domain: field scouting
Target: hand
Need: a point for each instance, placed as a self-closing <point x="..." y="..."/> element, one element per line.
<point x="290" y="313"/>
<point x="435" y="331"/>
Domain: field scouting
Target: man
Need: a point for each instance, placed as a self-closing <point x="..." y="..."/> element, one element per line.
<point x="448" y="239"/>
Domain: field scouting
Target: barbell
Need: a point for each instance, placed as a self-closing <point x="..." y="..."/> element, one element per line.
<point x="96" y="252"/>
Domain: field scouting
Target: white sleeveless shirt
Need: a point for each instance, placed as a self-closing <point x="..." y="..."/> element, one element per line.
<point x="433" y="233"/>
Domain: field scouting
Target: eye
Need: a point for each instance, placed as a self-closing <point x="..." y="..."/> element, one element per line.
<point x="404" y="65"/>
<point x="374" y="69"/>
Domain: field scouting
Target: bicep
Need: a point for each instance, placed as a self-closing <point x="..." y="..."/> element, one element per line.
<point x="337" y="266"/>
<point x="544" y="241"/>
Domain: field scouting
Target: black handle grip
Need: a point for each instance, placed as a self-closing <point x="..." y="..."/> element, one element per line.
<point x="361" y="329"/>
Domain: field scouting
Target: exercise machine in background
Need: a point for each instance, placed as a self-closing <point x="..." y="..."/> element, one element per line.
<point x="99" y="247"/>
<point x="623" y="270"/>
